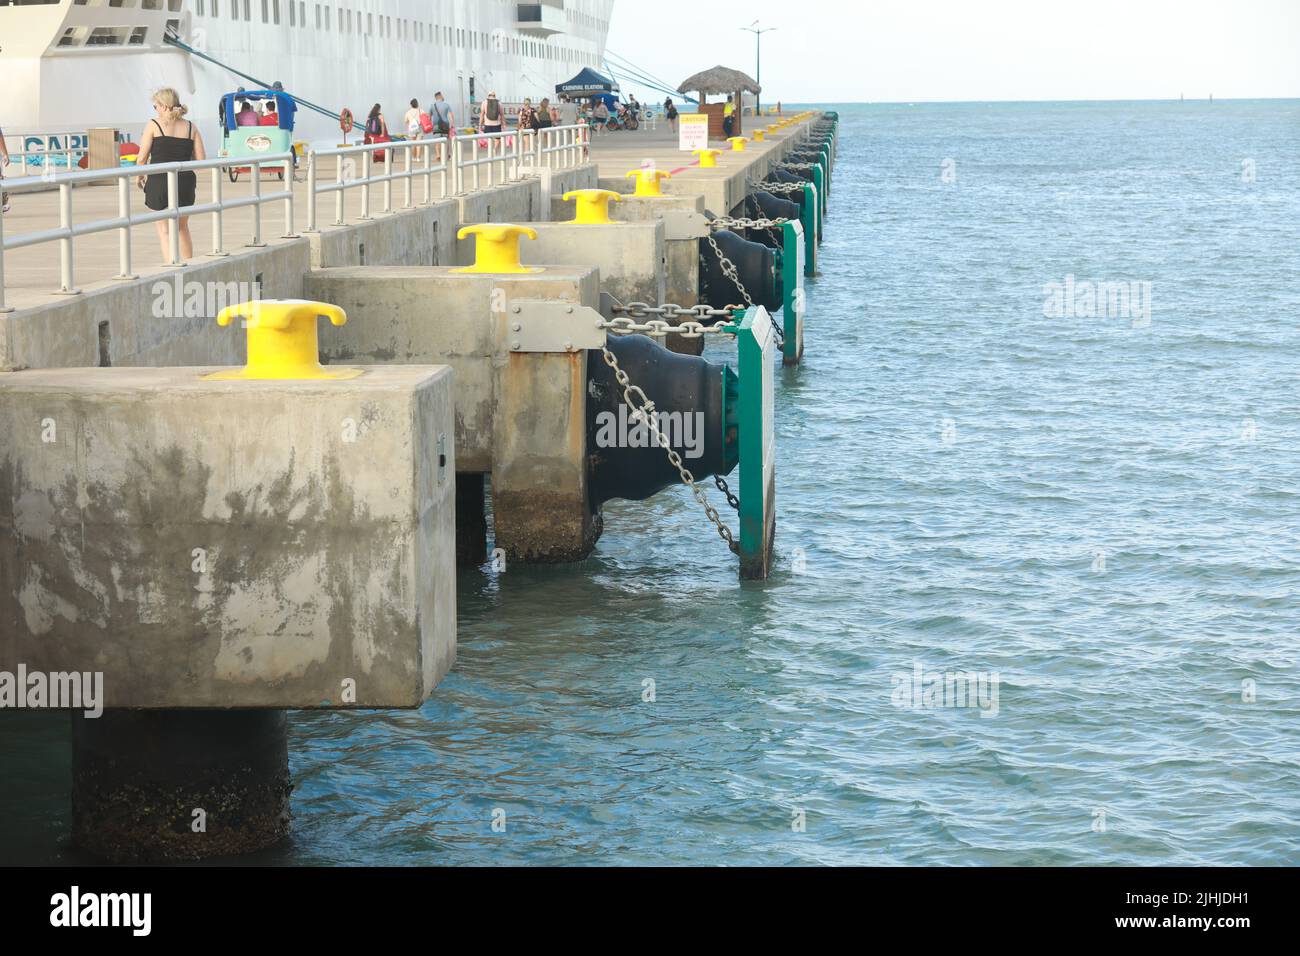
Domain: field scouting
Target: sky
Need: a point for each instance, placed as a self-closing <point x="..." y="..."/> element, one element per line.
<point x="902" y="51"/>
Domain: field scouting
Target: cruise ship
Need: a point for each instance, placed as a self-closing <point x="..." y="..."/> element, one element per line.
<point x="68" y="65"/>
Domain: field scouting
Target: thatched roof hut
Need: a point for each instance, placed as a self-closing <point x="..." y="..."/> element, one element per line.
<point x="720" y="80"/>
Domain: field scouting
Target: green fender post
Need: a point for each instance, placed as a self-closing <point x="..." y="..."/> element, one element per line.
<point x="792" y="293"/>
<point x="810" y="219"/>
<point x="819" y="180"/>
<point x="756" y="350"/>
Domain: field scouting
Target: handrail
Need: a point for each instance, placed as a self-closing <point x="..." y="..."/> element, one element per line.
<point x="506" y="155"/>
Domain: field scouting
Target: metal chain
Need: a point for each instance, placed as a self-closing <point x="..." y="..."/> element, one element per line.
<point x="796" y="165"/>
<point x="657" y="328"/>
<point x="774" y="231"/>
<point x="645" y="412"/>
<point x="774" y="188"/>
<point x="729" y="270"/>
<point x="639" y="310"/>
<point x="726" y="222"/>
<point x="722" y="486"/>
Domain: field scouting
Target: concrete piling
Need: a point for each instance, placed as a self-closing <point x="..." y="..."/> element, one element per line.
<point x="178" y="785"/>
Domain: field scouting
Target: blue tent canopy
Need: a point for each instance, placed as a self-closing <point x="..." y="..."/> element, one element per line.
<point x="284" y="106"/>
<point x="587" y="83"/>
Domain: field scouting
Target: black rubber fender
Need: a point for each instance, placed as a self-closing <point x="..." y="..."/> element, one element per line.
<point x="681" y="384"/>
<point x="755" y="265"/>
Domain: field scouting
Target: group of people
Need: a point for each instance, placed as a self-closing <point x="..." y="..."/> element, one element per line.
<point x="440" y="119"/>
<point x="596" y="114"/>
<point x="247" y="115"/>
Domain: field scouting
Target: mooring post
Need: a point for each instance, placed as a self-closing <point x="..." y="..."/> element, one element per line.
<point x="792" y="292"/>
<point x="819" y="180"/>
<point x="810" y="216"/>
<point x="756" y="351"/>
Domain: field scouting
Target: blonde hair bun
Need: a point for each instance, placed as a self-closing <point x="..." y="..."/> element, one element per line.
<point x="170" y="100"/>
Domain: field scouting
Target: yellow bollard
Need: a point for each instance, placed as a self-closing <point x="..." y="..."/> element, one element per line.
<point x="282" y="343"/>
<point x="592" y="207"/>
<point x="738" y="143"/>
<point x="708" y="157"/>
<point x="496" y="248"/>
<point x="759" y="134"/>
<point x="648" y="181"/>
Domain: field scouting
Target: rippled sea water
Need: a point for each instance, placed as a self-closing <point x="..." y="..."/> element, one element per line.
<point x="1103" y="510"/>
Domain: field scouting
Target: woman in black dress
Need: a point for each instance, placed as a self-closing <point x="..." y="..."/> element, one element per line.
<point x="170" y="138"/>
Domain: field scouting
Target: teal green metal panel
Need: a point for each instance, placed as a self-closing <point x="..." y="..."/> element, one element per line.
<point x="756" y="352"/>
<point x="811" y="227"/>
<point x="794" y="300"/>
<point x="819" y="180"/>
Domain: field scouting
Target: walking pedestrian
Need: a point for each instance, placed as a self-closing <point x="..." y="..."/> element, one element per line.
<point x="544" y="119"/>
<point x="170" y="138"/>
<point x="444" y="120"/>
<point x="670" y="110"/>
<point x="414" y="127"/>
<point x="491" y="118"/>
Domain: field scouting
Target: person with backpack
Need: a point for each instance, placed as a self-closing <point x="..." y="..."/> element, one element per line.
<point x="545" y="118"/>
<point x="491" y="118"/>
<point x="377" y="131"/>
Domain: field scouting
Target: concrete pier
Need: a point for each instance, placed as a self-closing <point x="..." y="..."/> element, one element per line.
<point x="520" y="411"/>
<point x="222" y="551"/>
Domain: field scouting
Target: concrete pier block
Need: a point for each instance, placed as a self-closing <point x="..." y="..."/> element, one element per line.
<point x="520" y="413"/>
<point x="684" y="225"/>
<point x="630" y="255"/>
<point x="177" y="785"/>
<point x="230" y="544"/>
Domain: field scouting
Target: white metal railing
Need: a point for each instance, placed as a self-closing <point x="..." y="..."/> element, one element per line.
<point x="468" y="162"/>
<point x="561" y="147"/>
<point x="490" y="152"/>
<point x="502" y="155"/>
<point x="347" y="176"/>
<point x="68" y="230"/>
<point x="41" y="160"/>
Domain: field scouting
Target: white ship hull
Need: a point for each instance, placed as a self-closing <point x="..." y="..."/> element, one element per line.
<point x="67" y="67"/>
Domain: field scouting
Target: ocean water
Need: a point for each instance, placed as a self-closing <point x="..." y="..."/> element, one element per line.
<point x="1097" y="514"/>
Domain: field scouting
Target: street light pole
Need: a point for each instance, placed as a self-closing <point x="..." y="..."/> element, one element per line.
<point x="758" y="32"/>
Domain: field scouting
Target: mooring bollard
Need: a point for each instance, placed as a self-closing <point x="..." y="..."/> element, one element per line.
<point x="708" y="158"/>
<point x="649" y="182"/>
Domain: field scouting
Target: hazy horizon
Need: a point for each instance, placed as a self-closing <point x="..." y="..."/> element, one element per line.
<point x="949" y="51"/>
